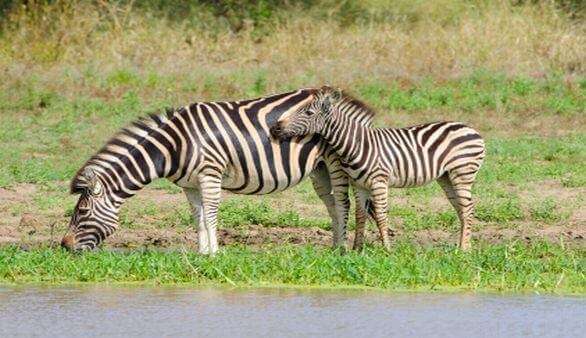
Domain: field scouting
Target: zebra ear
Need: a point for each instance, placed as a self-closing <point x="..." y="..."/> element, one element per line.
<point x="87" y="180"/>
<point x="336" y="94"/>
<point x="332" y="96"/>
<point x="93" y="183"/>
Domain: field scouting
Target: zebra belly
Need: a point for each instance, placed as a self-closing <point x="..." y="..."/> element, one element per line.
<point x="410" y="182"/>
<point x="284" y="177"/>
<point x="395" y="178"/>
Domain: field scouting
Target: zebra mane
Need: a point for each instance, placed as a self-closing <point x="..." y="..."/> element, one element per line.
<point x="359" y="108"/>
<point x="365" y="108"/>
<point x="148" y="124"/>
<point x="78" y="183"/>
<point x="347" y="101"/>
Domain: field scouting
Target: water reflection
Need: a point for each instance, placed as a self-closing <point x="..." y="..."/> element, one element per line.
<point x="168" y="311"/>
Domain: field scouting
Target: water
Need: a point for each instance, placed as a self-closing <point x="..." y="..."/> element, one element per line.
<point x="178" y="312"/>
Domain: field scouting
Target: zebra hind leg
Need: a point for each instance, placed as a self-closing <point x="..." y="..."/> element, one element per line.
<point x="194" y="198"/>
<point x="379" y="195"/>
<point x="457" y="185"/>
<point x="364" y="212"/>
<point x="211" y="188"/>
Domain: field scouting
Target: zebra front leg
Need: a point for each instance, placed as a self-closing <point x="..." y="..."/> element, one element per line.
<point x="340" y="187"/>
<point x="211" y="188"/>
<point x="361" y="197"/>
<point x="380" y="195"/>
<point x="194" y="198"/>
<point x="320" y="179"/>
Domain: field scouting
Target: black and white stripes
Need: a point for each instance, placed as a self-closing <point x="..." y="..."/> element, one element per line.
<point x="378" y="158"/>
<point x="203" y="148"/>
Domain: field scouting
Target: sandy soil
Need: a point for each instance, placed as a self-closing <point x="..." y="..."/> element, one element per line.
<point x="33" y="228"/>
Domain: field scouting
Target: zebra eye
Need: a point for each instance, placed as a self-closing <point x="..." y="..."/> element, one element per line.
<point x="83" y="205"/>
<point x="309" y="112"/>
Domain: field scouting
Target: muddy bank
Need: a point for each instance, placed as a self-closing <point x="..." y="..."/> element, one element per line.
<point x="258" y="236"/>
<point x="23" y="221"/>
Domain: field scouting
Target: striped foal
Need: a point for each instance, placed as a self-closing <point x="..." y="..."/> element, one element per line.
<point x="379" y="158"/>
<point x="203" y="148"/>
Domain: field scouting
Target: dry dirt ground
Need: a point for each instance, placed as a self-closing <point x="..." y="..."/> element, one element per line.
<point x="22" y="223"/>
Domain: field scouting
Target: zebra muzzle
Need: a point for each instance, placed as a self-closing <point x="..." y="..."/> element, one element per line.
<point x="276" y="130"/>
<point x="68" y="242"/>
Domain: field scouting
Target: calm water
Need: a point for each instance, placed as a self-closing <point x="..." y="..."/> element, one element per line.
<point x="177" y="312"/>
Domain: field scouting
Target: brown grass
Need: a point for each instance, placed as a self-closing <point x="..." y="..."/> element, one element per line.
<point x="449" y="39"/>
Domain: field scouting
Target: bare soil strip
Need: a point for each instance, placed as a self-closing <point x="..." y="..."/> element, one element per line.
<point x="44" y="227"/>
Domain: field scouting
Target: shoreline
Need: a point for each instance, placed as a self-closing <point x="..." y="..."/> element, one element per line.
<point x="509" y="268"/>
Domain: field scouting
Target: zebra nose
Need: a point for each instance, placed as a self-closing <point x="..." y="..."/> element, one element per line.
<point x="276" y="130"/>
<point x="68" y="242"/>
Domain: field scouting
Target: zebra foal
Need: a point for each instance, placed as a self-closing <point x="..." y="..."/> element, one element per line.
<point x="203" y="148"/>
<point x="379" y="158"/>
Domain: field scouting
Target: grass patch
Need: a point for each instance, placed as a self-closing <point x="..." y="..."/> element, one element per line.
<point x="499" y="211"/>
<point x="506" y="267"/>
<point x="546" y="211"/>
<point x="236" y="212"/>
<point x="479" y="91"/>
<point x="414" y="219"/>
<point x="52" y="142"/>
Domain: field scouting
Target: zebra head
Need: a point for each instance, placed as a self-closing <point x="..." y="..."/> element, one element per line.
<point x="95" y="216"/>
<point x="312" y="117"/>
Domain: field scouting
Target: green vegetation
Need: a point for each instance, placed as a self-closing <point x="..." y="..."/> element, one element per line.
<point x="74" y="72"/>
<point x="236" y="212"/>
<point x="505" y="267"/>
<point x="41" y="144"/>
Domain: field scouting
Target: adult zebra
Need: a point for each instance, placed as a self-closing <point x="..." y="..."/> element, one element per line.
<point x="376" y="158"/>
<point x="202" y="148"/>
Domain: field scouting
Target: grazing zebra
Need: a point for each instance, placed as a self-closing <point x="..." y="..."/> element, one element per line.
<point x="379" y="158"/>
<point x="203" y="148"/>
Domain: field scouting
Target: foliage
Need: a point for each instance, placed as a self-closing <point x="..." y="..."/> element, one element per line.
<point x="506" y="267"/>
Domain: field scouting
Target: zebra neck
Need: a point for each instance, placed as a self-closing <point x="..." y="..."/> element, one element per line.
<point x="118" y="183"/>
<point x="143" y="152"/>
<point x="348" y="138"/>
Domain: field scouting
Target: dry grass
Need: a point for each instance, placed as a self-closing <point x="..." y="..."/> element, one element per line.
<point x="61" y="44"/>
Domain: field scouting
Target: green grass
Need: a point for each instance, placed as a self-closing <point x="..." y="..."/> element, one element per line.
<point x="52" y="133"/>
<point x="535" y="267"/>
<point x="501" y="210"/>
<point x="416" y="219"/>
<point x="480" y="91"/>
<point x="546" y="211"/>
<point x="236" y="212"/>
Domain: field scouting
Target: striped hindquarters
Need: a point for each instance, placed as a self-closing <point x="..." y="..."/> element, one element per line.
<point x="425" y="152"/>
